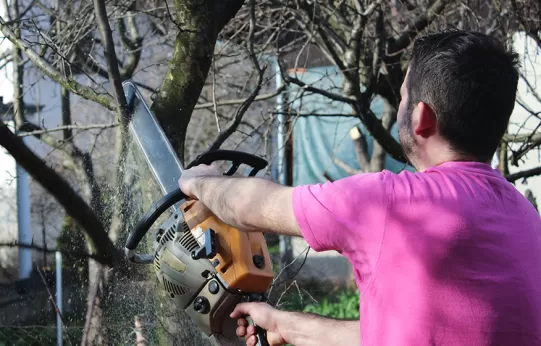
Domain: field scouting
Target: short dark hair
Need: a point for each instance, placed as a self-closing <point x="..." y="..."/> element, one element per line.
<point x="470" y="81"/>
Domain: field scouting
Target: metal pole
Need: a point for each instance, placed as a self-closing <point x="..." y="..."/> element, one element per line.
<point x="280" y="140"/>
<point x="23" y="220"/>
<point x="285" y="242"/>
<point x="59" y="297"/>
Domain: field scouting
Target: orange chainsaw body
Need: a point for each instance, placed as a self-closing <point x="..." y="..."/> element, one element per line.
<point x="243" y="258"/>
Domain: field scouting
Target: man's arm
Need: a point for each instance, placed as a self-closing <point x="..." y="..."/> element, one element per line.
<point x="247" y="203"/>
<point x="296" y="328"/>
<point x="301" y="329"/>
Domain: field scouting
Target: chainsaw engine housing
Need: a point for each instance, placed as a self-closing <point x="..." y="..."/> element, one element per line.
<point x="179" y="275"/>
<point x="207" y="281"/>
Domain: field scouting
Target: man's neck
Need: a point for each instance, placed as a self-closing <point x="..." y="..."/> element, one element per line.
<point x="437" y="157"/>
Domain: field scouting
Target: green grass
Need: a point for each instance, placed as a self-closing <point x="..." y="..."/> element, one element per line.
<point x="322" y="299"/>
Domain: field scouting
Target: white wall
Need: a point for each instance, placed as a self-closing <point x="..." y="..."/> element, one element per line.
<point x="522" y="122"/>
<point x="8" y="183"/>
<point x="42" y="92"/>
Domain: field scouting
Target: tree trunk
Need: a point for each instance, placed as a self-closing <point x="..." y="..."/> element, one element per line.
<point x="189" y="67"/>
<point x="201" y="22"/>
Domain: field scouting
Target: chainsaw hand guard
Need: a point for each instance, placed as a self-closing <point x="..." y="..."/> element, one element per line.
<point x="159" y="207"/>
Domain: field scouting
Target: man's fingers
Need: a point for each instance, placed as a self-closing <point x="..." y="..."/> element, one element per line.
<point x="242" y="322"/>
<point x="241" y="331"/>
<point x="241" y="310"/>
<point x="251" y="341"/>
<point x="250" y="329"/>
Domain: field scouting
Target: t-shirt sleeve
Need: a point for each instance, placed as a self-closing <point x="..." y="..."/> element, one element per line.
<point x="347" y="215"/>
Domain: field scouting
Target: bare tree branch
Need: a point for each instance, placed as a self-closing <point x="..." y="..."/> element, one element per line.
<point x="67" y="127"/>
<point x="110" y="57"/>
<point x="377" y="162"/>
<point x="346" y="167"/>
<point x="240" y="101"/>
<point x="261" y="72"/>
<point x="75" y="206"/>
<point x="527" y="138"/>
<point x="86" y="92"/>
<point x="131" y="41"/>
<point x="330" y="95"/>
<point x="360" y="147"/>
<point x="419" y="24"/>
<point x="524" y="174"/>
<point x="18" y="74"/>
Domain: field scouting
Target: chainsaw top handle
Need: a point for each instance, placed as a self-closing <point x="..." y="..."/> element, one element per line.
<point x="160" y="206"/>
<point x="236" y="157"/>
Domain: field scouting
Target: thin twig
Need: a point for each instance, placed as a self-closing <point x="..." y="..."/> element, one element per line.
<point x="50" y="71"/>
<point x="330" y="95"/>
<point x="240" y="101"/>
<point x="246" y="104"/>
<point x="419" y="24"/>
<point x="346" y="167"/>
<point x="67" y="127"/>
<point x="57" y="310"/>
<point x="305" y="252"/>
<point x="214" y="95"/>
<point x="93" y="295"/>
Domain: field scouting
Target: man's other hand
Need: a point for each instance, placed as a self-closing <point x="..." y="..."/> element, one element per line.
<point x="186" y="181"/>
<point x="263" y="315"/>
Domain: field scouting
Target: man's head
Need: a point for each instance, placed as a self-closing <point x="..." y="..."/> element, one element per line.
<point x="457" y="97"/>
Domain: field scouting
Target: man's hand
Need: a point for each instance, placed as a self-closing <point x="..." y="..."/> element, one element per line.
<point x="264" y="316"/>
<point x="296" y="328"/>
<point x="189" y="175"/>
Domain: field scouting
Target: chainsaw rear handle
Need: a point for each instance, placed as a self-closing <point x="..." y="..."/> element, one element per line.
<point x="260" y="333"/>
<point x="175" y="196"/>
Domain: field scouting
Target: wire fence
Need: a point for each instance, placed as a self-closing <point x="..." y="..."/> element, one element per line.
<point x="35" y="335"/>
<point x="47" y="335"/>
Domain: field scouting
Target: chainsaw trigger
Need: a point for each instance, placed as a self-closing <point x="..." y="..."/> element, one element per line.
<point x="208" y="249"/>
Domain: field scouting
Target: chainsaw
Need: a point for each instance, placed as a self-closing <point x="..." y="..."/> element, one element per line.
<point x="206" y="266"/>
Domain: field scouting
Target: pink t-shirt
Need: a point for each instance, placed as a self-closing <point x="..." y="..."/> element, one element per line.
<point x="448" y="256"/>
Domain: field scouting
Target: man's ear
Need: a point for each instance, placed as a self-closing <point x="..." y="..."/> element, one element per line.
<point x="427" y="122"/>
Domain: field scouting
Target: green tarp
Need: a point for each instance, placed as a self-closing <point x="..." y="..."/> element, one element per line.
<point x="319" y="140"/>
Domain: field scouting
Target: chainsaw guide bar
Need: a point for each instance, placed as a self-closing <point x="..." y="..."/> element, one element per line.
<point x="206" y="266"/>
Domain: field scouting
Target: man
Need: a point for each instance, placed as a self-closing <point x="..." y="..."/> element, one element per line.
<point x="449" y="255"/>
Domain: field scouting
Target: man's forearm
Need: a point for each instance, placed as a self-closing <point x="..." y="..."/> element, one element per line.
<point x="249" y="204"/>
<point x="304" y="329"/>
